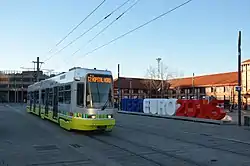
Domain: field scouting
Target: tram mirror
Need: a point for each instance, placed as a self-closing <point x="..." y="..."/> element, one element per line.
<point x="88" y="100"/>
<point x="77" y="78"/>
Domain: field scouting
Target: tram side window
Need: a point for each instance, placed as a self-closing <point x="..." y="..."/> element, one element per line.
<point x="28" y="96"/>
<point x="50" y="96"/>
<point x="60" y="94"/>
<point x="80" y="93"/>
<point x="32" y="97"/>
<point x="67" y="94"/>
<point x="37" y="97"/>
<point x="47" y="96"/>
<point x="43" y="97"/>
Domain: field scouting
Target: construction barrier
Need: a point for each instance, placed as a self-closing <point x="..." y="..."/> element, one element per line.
<point x="132" y="105"/>
<point x="176" y="107"/>
<point x="200" y="109"/>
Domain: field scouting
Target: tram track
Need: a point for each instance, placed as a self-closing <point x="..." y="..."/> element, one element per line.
<point x="186" y="141"/>
<point x="168" y="154"/>
<point x="106" y="146"/>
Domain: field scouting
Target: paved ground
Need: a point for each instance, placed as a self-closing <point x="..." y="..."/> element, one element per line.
<point x="26" y="140"/>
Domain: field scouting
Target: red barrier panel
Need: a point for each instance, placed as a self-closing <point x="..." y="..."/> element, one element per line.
<point x="181" y="111"/>
<point x="200" y="109"/>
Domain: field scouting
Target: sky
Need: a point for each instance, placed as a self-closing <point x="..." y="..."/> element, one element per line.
<point x="200" y="37"/>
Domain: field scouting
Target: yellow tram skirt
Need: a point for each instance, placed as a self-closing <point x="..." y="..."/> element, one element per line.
<point x="92" y="124"/>
<point x="88" y="124"/>
<point x="76" y="123"/>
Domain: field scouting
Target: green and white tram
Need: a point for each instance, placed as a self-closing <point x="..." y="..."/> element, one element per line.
<point x="80" y="99"/>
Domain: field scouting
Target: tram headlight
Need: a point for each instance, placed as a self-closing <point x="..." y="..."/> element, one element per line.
<point x="93" y="116"/>
<point x="109" y="116"/>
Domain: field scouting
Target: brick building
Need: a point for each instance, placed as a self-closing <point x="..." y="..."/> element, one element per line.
<point x="221" y="85"/>
<point x="14" y="84"/>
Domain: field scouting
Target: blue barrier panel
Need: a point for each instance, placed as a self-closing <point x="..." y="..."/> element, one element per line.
<point x="140" y="105"/>
<point x="132" y="105"/>
<point x="124" y="104"/>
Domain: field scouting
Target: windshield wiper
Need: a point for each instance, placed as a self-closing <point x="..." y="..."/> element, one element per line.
<point x="98" y="92"/>
<point x="108" y="100"/>
<point x="105" y="105"/>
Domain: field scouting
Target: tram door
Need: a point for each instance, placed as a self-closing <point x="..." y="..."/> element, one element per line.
<point x="55" y="102"/>
<point x="46" y="101"/>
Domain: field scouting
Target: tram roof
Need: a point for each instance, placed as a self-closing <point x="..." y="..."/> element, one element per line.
<point x="70" y="76"/>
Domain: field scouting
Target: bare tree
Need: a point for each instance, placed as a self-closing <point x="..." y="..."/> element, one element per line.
<point x="176" y="82"/>
<point x="155" y="84"/>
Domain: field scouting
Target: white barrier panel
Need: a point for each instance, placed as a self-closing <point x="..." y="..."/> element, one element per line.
<point x="150" y="106"/>
<point x="160" y="106"/>
<point x="146" y="106"/>
<point x="171" y="106"/>
<point x="153" y="106"/>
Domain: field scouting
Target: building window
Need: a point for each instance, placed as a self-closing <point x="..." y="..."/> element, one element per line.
<point x="135" y="90"/>
<point x="202" y="90"/>
<point x="125" y="91"/>
<point x="3" y="86"/>
<point x="191" y="91"/>
<point x="182" y="90"/>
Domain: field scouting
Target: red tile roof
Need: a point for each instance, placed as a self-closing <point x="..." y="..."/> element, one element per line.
<point x="246" y="61"/>
<point x="220" y="79"/>
<point x="230" y="78"/>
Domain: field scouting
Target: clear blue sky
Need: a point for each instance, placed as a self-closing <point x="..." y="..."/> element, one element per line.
<point x="200" y="37"/>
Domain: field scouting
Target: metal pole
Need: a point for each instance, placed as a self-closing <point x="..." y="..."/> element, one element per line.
<point x="15" y="87"/>
<point x="22" y="89"/>
<point x="119" y="87"/>
<point x="159" y="72"/>
<point x="37" y="69"/>
<point x="158" y="60"/>
<point x="246" y="88"/>
<point x="239" y="79"/>
<point x="193" y="86"/>
<point x="162" y="87"/>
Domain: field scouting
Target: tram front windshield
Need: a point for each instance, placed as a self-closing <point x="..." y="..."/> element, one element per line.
<point x="99" y="91"/>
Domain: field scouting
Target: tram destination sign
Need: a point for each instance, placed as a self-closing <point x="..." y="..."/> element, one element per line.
<point x="99" y="79"/>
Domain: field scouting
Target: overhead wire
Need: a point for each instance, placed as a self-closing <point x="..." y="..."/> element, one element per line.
<point x="148" y="22"/>
<point x="75" y="28"/>
<point x="80" y="36"/>
<point x="105" y="28"/>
